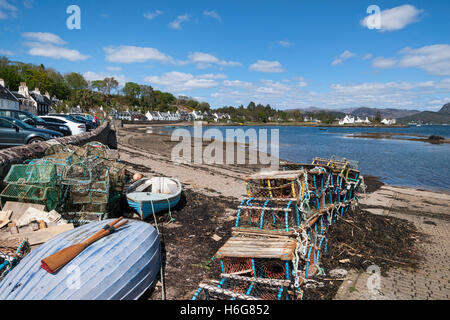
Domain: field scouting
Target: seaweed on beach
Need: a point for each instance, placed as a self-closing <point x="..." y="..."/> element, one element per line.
<point x="362" y="239"/>
<point x="188" y="246"/>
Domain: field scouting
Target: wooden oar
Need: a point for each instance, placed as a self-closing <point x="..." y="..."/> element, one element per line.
<point x="59" y="259"/>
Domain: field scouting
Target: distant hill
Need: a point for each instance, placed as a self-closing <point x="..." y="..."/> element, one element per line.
<point x="388" y="113"/>
<point x="445" y="109"/>
<point x="440" y="117"/>
<point x="362" y="112"/>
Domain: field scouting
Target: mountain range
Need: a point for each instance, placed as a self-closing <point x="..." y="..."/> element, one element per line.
<point x="402" y="115"/>
<point x="440" y="117"/>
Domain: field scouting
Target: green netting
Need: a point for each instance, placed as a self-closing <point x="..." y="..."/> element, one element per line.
<point x="38" y="174"/>
<point x="47" y="196"/>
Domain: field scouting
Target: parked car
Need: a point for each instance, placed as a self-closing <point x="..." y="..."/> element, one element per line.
<point x="76" y="127"/>
<point x="35" y="121"/>
<point x="73" y="117"/>
<point x="14" y="132"/>
<point x="93" y="119"/>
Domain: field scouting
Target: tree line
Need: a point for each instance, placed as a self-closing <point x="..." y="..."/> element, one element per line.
<point x="74" y="90"/>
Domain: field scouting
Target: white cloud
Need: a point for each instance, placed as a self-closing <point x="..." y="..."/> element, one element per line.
<point x="212" y="14"/>
<point x="285" y="43"/>
<point x="343" y="56"/>
<point x="367" y="56"/>
<point x="130" y="54"/>
<point x="396" y="18"/>
<point x="55" y="52"/>
<point x="237" y="83"/>
<point x="91" y="76"/>
<point x="45" y="44"/>
<point x="213" y="76"/>
<point x="44" y="37"/>
<point x="288" y="94"/>
<point x="434" y="59"/>
<point x="384" y="63"/>
<point x="152" y="15"/>
<point x="113" y="68"/>
<point x="6" y="52"/>
<point x="206" y="60"/>
<point x="28" y="4"/>
<point x="7" y="10"/>
<point x="176" y="24"/>
<point x="179" y="81"/>
<point x="267" y="66"/>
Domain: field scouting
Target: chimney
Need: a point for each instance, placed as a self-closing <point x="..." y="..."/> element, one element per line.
<point x="37" y="91"/>
<point x="2" y="82"/>
<point x="47" y="94"/>
<point x="23" y="89"/>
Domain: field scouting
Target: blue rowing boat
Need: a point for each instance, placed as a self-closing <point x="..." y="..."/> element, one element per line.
<point x="153" y="195"/>
<point x="120" y="266"/>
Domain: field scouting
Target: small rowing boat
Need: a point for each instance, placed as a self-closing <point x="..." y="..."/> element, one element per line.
<point x="153" y="195"/>
<point x="120" y="266"/>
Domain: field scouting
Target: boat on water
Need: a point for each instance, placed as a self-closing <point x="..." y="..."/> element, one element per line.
<point x="153" y="195"/>
<point x="120" y="266"/>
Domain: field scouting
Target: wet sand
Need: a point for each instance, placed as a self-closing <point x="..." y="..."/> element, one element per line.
<point x="205" y="216"/>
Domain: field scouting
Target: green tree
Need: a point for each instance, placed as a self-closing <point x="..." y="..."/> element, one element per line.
<point x="111" y="84"/>
<point x="98" y="85"/>
<point x="75" y="81"/>
<point x="132" y="91"/>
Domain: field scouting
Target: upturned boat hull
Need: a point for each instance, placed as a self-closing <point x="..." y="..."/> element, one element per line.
<point x="120" y="266"/>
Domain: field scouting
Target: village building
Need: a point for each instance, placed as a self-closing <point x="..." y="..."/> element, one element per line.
<point x="43" y="102"/>
<point x="388" y="121"/>
<point x="7" y="99"/>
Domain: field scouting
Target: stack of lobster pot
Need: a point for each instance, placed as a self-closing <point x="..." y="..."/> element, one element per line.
<point x="280" y="230"/>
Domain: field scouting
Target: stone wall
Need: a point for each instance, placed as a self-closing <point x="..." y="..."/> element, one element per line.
<point x="17" y="155"/>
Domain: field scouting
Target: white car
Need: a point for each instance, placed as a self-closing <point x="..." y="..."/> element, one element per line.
<point x="75" y="127"/>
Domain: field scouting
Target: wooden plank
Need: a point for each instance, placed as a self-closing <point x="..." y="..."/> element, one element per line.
<point x="19" y="208"/>
<point x="288" y="175"/>
<point x="228" y="293"/>
<point x="273" y="282"/>
<point x="244" y="247"/>
<point x="5" y="218"/>
<point x="261" y="232"/>
<point x="39" y="236"/>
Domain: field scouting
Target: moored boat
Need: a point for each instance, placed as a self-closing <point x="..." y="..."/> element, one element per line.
<point x="153" y="195"/>
<point x="120" y="266"/>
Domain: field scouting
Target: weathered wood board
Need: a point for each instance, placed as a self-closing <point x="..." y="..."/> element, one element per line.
<point x="39" y="236"/>
<point x="244" y="247"/>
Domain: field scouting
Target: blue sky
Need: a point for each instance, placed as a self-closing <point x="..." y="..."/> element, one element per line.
<point x="290" y="54"/>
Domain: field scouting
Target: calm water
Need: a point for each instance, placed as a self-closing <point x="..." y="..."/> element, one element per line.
<point x="402" y="163"/>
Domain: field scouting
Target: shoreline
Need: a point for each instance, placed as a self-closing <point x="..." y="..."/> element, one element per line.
<point x="259" y="124"/>
<point x="211" y="194"/>
<point x="161" y="138"/>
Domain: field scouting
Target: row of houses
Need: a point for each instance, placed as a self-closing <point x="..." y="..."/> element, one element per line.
<point x="180" y="115"/>
<point x="31" y="101"/>
<point x="352" y="120"/>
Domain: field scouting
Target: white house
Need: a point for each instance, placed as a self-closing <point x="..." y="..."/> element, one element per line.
<point x="7" y="99"/>
<point x="198" y="115"/>
<point x="388" y="121"/>
<point x="26" y="101"/>
<point x="347" y="120"/>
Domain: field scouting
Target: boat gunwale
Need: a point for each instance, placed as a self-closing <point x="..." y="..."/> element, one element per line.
<point x="169" y="196"/>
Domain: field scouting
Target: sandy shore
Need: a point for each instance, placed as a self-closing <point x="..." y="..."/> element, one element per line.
<point x="203" y="222"/>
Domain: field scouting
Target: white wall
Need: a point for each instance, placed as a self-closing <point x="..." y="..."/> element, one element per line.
<point x="9" y="104"/>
